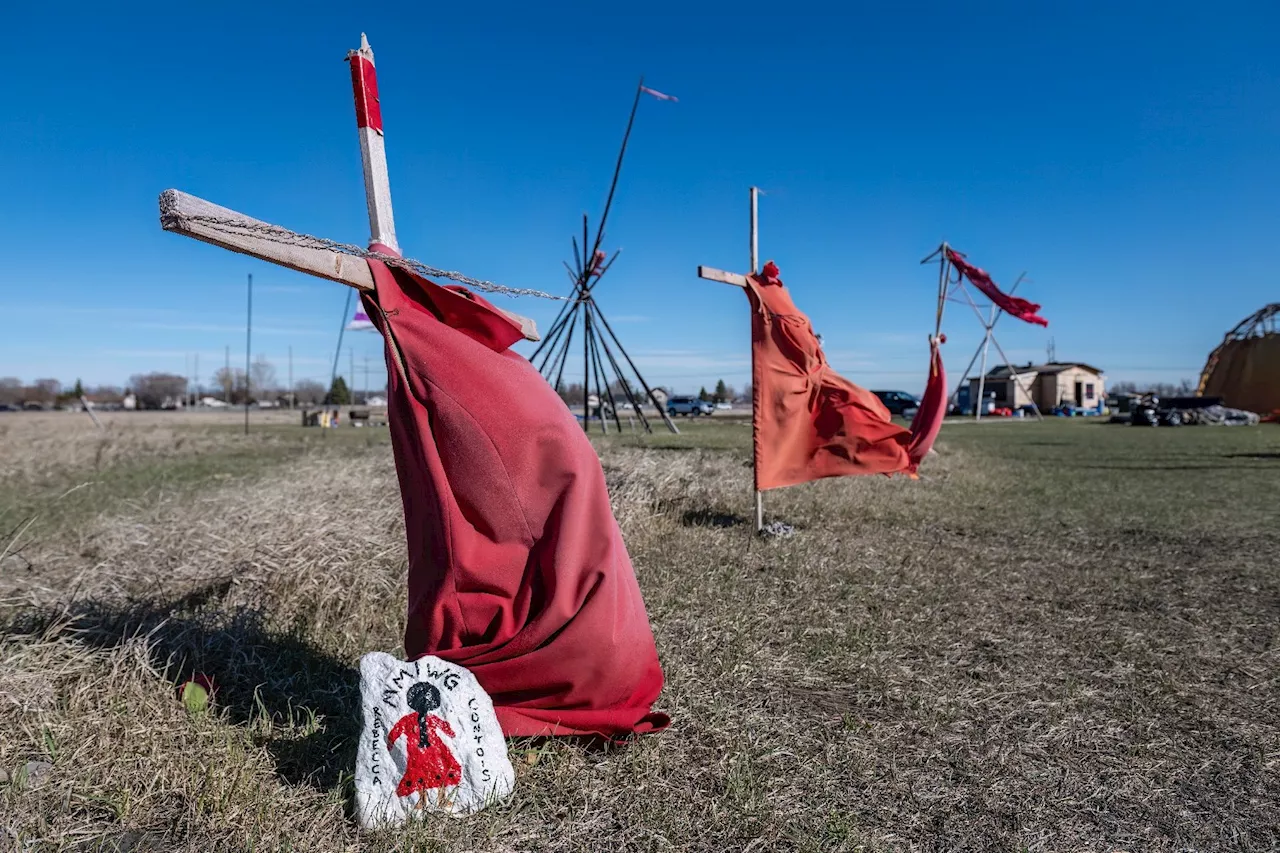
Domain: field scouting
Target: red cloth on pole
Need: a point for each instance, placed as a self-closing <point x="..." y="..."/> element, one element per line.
<point x="933" y="408"/>
<point x="1021" y="308"/>
<point x="810" y="422"/>
<point x="517" y="569"/>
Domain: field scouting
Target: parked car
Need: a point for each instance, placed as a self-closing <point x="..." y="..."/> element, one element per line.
<point x="898" y="402"/>
<point x="690" y="406"/>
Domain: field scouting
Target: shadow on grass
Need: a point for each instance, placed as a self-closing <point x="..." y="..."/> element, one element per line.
<point x="1268" y="456"/>
<point x="1190" y="465"/>
<point x="302" y="703"/>
<point x="711" y="518"/>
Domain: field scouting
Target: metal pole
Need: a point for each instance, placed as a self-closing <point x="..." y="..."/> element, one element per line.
<point x="982" y="376"/>
<point x="337" y="351"/>
<point x="586" y="371"/>
<point x="613" y="185"/>
<point x="89" y="410"/>
<point x="755" y="243"/>
<point x="943" y="265"/>
<point x="755" y="268"/>
<point x="964" y="377"/>
<point x="248" y="345"/>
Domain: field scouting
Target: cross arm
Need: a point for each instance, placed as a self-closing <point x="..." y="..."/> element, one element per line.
<point x="713" y="274"/>
<point x="203" y="220"/>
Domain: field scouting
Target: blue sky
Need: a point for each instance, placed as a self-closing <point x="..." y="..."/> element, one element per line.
<point x="1124" y="155"/>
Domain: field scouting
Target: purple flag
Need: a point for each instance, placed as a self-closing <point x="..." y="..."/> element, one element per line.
<point x="658" y="94"/>
<point x="360" y="321"/>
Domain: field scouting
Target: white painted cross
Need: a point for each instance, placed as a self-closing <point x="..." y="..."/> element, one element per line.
<point x="738" y="280"/>
<point x="194" y="217"/>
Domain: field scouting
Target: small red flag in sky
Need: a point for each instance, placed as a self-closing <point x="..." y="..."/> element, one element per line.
<point x="658" y="95"/>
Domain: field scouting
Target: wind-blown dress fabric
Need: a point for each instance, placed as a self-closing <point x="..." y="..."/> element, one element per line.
<point x="811" y="422"/>
<point x="517" y="568"/>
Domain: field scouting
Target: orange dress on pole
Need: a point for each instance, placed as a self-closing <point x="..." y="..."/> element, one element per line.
<point x="811" y="422"/>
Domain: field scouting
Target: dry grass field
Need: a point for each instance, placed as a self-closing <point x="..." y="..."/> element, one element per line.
<point x="1063" y="638"/>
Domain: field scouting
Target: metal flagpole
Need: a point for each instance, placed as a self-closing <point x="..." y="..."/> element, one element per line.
<point x="586" y="372"/>
<point x="982" y="375"/>
<point x="337" y="351"/>
<point x="755" y="390"/>
<point x="248" y="345"/>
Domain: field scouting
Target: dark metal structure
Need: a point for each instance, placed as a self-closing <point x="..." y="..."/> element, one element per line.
<point x="606" y="368"/>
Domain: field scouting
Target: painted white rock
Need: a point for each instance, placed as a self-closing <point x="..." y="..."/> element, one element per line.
<point x="431" y="742"/>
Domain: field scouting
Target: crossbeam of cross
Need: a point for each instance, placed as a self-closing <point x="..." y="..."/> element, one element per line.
<point x="203" y="220"/>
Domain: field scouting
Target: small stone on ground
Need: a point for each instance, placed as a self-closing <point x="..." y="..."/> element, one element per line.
<point x="430" y="743"/>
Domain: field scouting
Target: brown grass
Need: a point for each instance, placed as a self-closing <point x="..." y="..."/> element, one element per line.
<point x="1020" y="652"/>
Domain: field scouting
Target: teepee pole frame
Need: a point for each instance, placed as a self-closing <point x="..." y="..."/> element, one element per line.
<point x="598" y="359"/>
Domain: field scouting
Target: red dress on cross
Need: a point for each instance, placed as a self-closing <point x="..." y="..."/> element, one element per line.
<point x="517" y="568"/>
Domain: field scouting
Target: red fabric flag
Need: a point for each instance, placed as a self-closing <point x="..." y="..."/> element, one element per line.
<point x="1017" y="306"/>
<point x="933" y="407"/>
<point x="517" y="569"/>
<point x="810" y="422"/>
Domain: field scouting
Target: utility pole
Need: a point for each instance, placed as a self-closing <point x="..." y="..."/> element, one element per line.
<point x="229" y="379"/>
<point x="197" y="392"/>
<point x="248" y="345"/>
<point x="351" y="372"/>
<point x="291" y="377"/>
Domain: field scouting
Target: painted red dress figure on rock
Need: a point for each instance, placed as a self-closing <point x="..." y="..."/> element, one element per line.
<point x="430" y="764"/>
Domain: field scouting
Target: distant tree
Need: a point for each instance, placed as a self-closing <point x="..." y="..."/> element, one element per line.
<point x="572" y="394"/>
<point x="703" y="395"/>
<point x="105" y="394"/>
<point x="155" y="390"/>
<point x="339" y="394"/>
<point x="748" y="391"/>
<point x="308" y="392"/>
<point x="722" y="392"/>
<point x="1185" y="388"/>
<point x="77" y="391"/>
<point x="10" y="390"/>
<point x="231" y="384"/>
<point x="42" y="391"/>
<point x="262" y="374"/>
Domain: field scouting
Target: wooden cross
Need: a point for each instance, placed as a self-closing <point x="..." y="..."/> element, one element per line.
<point x="738" y="280"/>
<point x="194" y="217"/>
